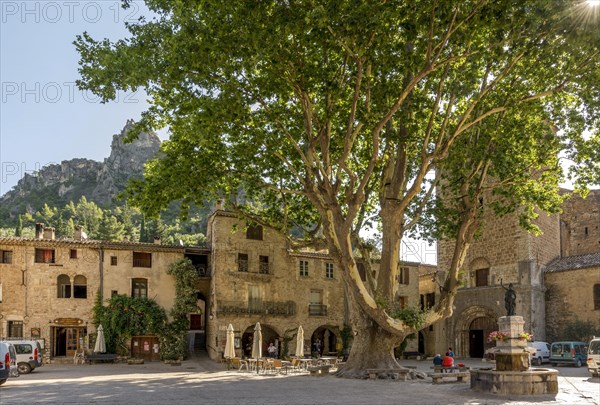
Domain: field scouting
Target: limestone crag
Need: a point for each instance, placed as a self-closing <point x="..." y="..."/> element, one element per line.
<point x="57" y="184"/>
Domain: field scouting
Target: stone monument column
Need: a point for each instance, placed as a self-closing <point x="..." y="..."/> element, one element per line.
<point x="513" y="355"/>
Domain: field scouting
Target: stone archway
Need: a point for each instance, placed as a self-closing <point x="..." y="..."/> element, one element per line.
<point x="471" y="330"/>
<point x="269" y="335"/>
<point x="325" y="340"/>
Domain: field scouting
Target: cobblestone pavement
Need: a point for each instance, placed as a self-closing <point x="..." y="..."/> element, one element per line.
<point x="201" y="381"/>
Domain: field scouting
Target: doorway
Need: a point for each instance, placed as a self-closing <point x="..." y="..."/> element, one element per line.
<point x="478" y="331"/>
<point x="67" y="341"/>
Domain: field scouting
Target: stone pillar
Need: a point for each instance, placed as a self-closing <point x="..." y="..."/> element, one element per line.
<point x="513" y="355"/>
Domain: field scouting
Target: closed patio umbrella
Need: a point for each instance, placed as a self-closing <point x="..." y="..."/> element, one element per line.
<point x="300" y="342"/>
<point x="100" y="346"/>
<point x="229" y="344"/>
<point x="257" y="344"/>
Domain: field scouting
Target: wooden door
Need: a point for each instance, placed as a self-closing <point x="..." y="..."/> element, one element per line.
<point x="72" y="341"/>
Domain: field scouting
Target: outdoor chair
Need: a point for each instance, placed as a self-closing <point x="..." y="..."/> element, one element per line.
<point x="239" y="364"/>
<point x="296" y="366"/>
<point x="276" y="365"/>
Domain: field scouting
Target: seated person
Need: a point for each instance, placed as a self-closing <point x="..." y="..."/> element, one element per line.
<point x="437" y="360"/>
<point x="447" y="361"/>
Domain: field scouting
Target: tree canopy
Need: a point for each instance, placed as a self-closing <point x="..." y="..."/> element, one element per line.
<point x="339" y="116"/>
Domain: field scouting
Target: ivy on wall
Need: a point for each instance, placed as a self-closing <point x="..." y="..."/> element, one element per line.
<point x="124" y="317"/>
<point x="174" y="338"/>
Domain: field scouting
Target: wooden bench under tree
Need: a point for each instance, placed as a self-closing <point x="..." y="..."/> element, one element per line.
<point x="408" y="355"/>
<point x="388" y="373"/>
<point x="321" y="370"/>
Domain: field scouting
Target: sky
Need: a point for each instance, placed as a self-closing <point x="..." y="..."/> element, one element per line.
<point x="44" y="118"/>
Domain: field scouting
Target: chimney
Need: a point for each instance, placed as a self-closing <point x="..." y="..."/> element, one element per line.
<point x="49" y="233"/>
<point x="220" y="205"/>
<point x="39" y="231"/>
<point x="79" y="234"/>
<point x="157" y="240"/>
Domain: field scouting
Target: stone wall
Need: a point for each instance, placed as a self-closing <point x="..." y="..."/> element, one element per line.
<point x="570" y="297"/>
<point x="581" y="219"/>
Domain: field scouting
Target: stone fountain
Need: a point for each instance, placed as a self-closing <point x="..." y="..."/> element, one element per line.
<point x="513" y="374"/>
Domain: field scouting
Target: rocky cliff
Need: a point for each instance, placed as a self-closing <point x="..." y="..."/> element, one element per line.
<point x="100" y="182"/>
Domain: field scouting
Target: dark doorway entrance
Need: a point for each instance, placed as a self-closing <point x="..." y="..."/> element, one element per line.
<point x="478" y="331"/>
<point x="421" y="343"/>
<point x="476" y="346"/>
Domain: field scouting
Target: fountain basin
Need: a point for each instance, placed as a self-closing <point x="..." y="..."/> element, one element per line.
<point x="535" y="381"/>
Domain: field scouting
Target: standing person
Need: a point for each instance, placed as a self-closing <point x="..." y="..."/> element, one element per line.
<point x="450" y="352"/>
<point x="272" y="350"/>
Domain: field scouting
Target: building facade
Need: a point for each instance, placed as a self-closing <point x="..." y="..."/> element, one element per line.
<point x="542" y="269"/>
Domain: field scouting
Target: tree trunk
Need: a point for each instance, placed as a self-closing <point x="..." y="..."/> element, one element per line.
<point x="372" y="346"/>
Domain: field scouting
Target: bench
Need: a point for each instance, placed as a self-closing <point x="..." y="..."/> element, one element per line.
<point x="100" y="357"/>
<point x="407" y="355"/>
<point x="394" y="373"/>
<point x="460" y="376"/>
<point x="320" y="371"/>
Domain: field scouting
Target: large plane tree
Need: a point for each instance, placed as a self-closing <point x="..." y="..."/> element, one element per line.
<point x="332" y="121"/>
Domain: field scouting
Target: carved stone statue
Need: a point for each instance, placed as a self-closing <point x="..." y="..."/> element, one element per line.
<point x="510" y="298"/>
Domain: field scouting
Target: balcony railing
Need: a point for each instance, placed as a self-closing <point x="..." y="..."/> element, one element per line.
<point x="263" y="268"/>
<point x="274" y="308"/>
<point x="317" y="310"/>
<point x="202" y="270"/>
<point x="243" y="266"/>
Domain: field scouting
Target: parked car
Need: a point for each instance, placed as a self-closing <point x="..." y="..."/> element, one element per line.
<point x="574" y="353"/>
<point x="5" y="362"/>
<point x="541" y="354"/>
<point x="593" y="360"/>
<point x="29" y="355"/>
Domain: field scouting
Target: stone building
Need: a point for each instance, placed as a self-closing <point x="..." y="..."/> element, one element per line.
<point x="257" y="278"/>
<point x="553" y="274"/>
<point x="246" y="274"/>
<point x="48" y="286"/>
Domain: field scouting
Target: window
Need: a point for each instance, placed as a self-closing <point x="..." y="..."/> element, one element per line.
<point x="63" y="284"/>
<point x="402" y="301"/>
<point x="254" y="232"/>
<point x="139" y="288"/>
<point x="243" y="262"/>
<point x="73" y="254"/>
<point x="254" y="299"/>
<point x="113" y="293"/>
<point x="481" y="277"/>
<point x="597" y="296"/>
<point x="113" y="260"/>
<point x="427" y="301"/>
<point x="6" y="256"/>
<point x="15" y="329"/>
<point x="263" y="264"/>
<point x="44" y="255"/>
<point x="142" y="259"/>
<point x="404" y="275"/>
<point x="303" y="268"/>
<point x="316" y="306"/>
<point x="80" y="287"/>
<point x="328" y="270"/>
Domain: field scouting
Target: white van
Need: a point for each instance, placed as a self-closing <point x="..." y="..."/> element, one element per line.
<point x="593" y="360"/>
<point x="541" y="354"/>
<point x="29" y="355"/>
